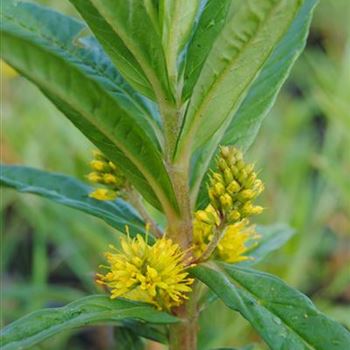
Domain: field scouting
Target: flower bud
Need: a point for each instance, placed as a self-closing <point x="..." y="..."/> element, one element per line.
<point x="225" y="151"/>
<point x="202" y="215"/>
<point x="99" y="165"/>
<point x="250" y="181"/>
<point x="249" y="168"/>
<point x="235" y="171"/>
<point x="233" y="187"/>
<point x="212" y="211"/>
<point x="222" y="164"/>
<point x="246" y="195"/>
<point x="242" y="177"/>
<point x="219" y="189"/>
<point x="103" y="194"/>
<point x="258" y="186"/>
<point x="226" y="201"/>
<point x="228" y="176"/>
<point x="239" y="164"/>
<point x="94" y="177"/>
<point x="238" y="154"/>
<point x="233" y="216"/>
<point x="247" y="209"/>
<point x="256" y="210"/>
<point x="218" y="177"/>
<point x="213" y="200"/>
<point x="109" y="179"/>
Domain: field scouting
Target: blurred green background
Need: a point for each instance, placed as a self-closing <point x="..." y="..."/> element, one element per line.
<point x="49" y="253"/>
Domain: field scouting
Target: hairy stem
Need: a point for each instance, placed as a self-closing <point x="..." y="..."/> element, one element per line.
<point x="172" y="119"/>
<point x="183" y="336"/>
<point x="180" y="226"/>
<point x="180" y="223"/>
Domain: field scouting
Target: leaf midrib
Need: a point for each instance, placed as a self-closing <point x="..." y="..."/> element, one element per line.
<point x="140" y="58"/>
<point x="95" y="317"/>
<point x="98" y="72"/>
<point x="119" y="145"/>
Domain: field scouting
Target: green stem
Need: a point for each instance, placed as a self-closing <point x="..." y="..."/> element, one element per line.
<point x="135" y="199"/>
<point x="183" y="336"/>
<point x="180" y="226"/>
<point x="218" y="234"/>
<point x="172" y="119"/>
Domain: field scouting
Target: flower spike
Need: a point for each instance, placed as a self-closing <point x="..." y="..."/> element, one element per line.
<point x="223" y="227"/>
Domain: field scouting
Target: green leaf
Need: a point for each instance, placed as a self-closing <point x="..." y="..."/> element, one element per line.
<point x="115" y="48"/>
<point x="178" y="17"/>
<point x="272" y="238"/>
<point x="92" y="310"/>
<point x="210" y="24"/>
<point x="108" y="148"/>
<point x="238" y="55"/>
<point x="283" y="316"/>
<point x="45" y="50"/>
<point x="69" y="191"/>
<point x="131" y="23"/>
<point x="126" y="339"/>
<point x="153" y="332"/>
<point x="246" y="122"/>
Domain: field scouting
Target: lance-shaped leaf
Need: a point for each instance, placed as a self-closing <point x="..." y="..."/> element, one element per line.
<point x="246" y="122"/>
<point x="92" y="310"/>
<point x="127" y="339"/>
<point x="154" y="332"/>
<point x="211" y="21"/>
<point x="71" y="192"/>
<point x="239" y="53"/>
<point x="131" y="23"/>
<point x="108" y="148"/>
<point x="178" y="17"/>
<point x="283" y="316"/>
<point x="115" y="47"/>
<point x="42" y="44"/>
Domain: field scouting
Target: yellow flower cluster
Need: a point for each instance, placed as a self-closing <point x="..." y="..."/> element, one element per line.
<point x="106" y="173"/>
<point x="232" y="189"/>
<point x="236" y="241"/>
<point x="154" y="274"/>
